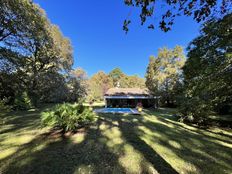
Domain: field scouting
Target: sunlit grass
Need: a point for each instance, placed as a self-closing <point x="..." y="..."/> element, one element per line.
<point x="150" y="143"/>
<point x="95" y="104"/>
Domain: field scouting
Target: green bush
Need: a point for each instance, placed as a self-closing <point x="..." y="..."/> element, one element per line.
<point x="194" y="110"/>
<point x="22" y="102"/>
<point x="68" y="116"/>
<point x="3" y="107"/>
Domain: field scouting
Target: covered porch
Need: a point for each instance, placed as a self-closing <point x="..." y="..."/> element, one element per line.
<point x="130" y="102"/>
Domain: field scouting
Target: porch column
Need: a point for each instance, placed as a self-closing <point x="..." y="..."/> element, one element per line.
<point x="105" y="100"/>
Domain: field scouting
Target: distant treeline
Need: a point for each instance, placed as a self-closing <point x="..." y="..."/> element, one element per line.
<point x="100" y="82"/>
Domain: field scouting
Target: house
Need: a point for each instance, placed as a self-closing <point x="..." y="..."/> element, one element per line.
<point x="129" y="98"/>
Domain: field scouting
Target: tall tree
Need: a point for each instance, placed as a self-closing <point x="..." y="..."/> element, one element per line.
<point x="99" y="83"/>
<point x="167" y="72"/>
<point x="15" y="17"/>
<point x="18" y="19"/>
<point x="36" y="49"/>
<point x="208" y="70"/>
<point x="116" y="75"/>
<point x="150" y="76"/>
<point x="125" y="81"/>
<point x="200" y="10"/>
<point x="79" y="83"/>
<point x="133" y="81"/>
<point x="80" y="74"/>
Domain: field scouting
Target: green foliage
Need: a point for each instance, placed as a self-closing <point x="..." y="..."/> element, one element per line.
<point x="4" y="107"/>
<point x="79" y="84"/>
<point x="9" y="84"/>
<point x="200" y="10"/>
<point x="125" y="81"/>
<point x="68" y="116"/>
<point x="76" y="90"/>
<point x="22" y="102"/>
<point x="150" y="74"/>
<point x="99" y="83"/>
<point x="133" y="81"/>
<point x="16" y="16"/>
<point x="36" y="52"/>
<point x="116" y="75"/>
<point x="194" y="110"/>
<point x="208" y="70"/>
<point x="164" y="72"/>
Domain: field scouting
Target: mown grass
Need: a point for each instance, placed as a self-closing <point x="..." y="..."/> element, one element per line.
<point x="150" y="143"/>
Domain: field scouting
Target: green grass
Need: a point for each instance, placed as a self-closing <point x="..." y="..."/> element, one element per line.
<point x="150" y="143"/>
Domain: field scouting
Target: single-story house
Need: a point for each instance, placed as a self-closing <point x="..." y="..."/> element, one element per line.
<point x="129" y="98"/>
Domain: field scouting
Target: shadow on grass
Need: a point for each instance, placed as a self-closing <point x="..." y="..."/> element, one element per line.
<point x="167" y="115"/>
<point x="132" y="136"/>
<point x="61" y="155"/>
<point x="56" y="153"/>
<point x="204" y="153"/>
<point x="22" y="120"/>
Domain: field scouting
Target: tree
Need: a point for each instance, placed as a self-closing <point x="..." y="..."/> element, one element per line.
<point x="79" y="83"/>
<point x="8" y="82"/>
<point x="52" y="87"/>
<point x="133" y="81"/>
<point x="99" y="83"/>
<point x="150" y="74"/>
<point x="34" y="47"/>
<point x="80" y="74"/>
<point x="50" y="53"/>
<point x="116" y="75"/>
<point x="166" y="73"/>
<point x="125" y="81"/>
<point x="208" y="70"/>
<point x="15" y="17"/>
<point x="200" y="10"/>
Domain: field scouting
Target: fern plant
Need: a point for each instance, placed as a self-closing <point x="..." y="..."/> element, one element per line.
<point x="68" y="116"/>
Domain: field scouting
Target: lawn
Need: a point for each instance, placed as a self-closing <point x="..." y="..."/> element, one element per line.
<point x="150" y="143"/>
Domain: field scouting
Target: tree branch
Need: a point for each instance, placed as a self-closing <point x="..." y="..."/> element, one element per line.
<point x="3" y="37"/>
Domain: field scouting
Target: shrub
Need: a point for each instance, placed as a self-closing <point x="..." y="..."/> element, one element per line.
<point x="22" y="102"/>
<point x="194" y="110"/>
<point x="4" y="107"/>
<point x="68" y="116"/>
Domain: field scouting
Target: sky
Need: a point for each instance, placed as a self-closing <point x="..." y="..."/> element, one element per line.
<point x="99" y="43"/>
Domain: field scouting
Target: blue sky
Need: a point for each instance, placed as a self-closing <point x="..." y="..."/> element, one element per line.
<point x="95" y="30"/>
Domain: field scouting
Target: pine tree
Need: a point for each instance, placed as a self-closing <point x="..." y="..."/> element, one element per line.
<point x="163" y="73"/>
<point x="150" y="74"/>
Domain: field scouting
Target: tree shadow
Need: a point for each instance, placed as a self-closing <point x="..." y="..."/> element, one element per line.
<point x="203" y="152"/>
<point x="61" y="155"/>
<point x="92" y="155"/>
<point x="88" y="151"/>
<point x="193" y="128"/>
<point x="22" y="120"/>
<point x="131" y="135"/>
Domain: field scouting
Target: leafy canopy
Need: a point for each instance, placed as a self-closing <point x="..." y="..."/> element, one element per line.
<point x="208" y="69"/>
<point x="33" y="50"/>
<point x="200" y="10"/>
<point x="164" y="73"/>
